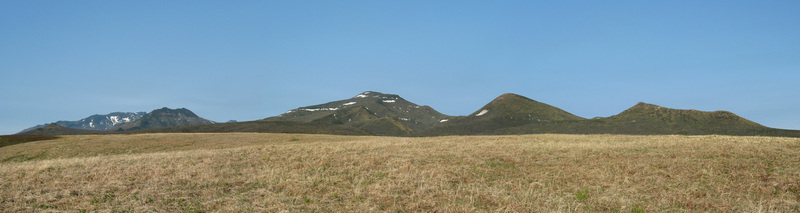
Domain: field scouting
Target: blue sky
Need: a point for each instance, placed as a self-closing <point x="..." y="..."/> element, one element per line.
<point x="248" y="60"/>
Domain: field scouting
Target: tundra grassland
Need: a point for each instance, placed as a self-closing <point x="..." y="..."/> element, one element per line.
<point x="256" y="172"/>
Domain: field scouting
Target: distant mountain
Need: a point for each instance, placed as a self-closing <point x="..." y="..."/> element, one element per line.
<point x="55" y="129"/>
<point x="97" y="122"/>
<point x="183" y="120"/>
<point x="506" y="111"/>
<point x="164" y="117"/>
<point x="377" y="113"/>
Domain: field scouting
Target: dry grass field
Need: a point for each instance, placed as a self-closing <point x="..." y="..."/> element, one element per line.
<point x="253" y="172"/>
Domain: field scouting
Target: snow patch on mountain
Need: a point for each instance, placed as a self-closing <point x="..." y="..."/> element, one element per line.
<point x="114" y="119"/>
<point x="321" y="109"/>
<point x="483" y="112"/>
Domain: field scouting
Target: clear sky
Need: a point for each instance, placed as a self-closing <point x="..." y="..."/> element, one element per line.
<point x="248" y="60"/>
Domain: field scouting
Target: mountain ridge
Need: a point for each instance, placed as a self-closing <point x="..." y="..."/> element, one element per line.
<point x="55" y="129"/>
<point x="164" y="117"/>
<point x="375" y="113"/>
<point x="97" y="121"/>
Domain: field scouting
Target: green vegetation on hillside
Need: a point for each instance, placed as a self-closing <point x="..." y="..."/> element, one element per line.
<point x="8" y="140"/>
<point x="164" y="117"/>
<point x="385" y="126"/>
<point x="507" y="111"/>
<point x="262" y="127"/>
<point x="641" y="119"/>
<point x="364" y="119"/>
<point x="357" y="111"/>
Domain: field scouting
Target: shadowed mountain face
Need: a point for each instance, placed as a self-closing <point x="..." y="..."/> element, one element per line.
<point x="165" y="117"/>
<point x="377" y="113"/>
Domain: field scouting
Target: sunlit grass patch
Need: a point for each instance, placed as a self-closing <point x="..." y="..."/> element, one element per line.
<point x="276" y="172"/>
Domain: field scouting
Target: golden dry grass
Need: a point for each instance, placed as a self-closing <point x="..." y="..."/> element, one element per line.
<point x="243" y="172"/>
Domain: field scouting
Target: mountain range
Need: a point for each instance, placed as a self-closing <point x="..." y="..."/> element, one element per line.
<point x="120" y="121"/>
<point x="375" y="113"/>
<point x="97" y="122"/>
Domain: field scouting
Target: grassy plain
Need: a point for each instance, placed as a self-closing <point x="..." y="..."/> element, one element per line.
<point x="243" y="172"/>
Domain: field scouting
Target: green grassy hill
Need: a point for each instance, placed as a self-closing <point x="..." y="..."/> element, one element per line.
<point x="506" y="111"/>
<point x="652" y="119"/>
<point x="649" y="119"/>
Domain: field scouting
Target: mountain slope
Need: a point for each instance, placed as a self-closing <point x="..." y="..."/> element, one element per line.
<point x="509" y="105"/>
<point x="514" y="114"/>
<point x="55" y="129"/>
<point x="366" y="120"/>
<point x="165" y="117"/>
<point x="368" y="106"/>
<point x="506" y="111"/>
<point x="97" y="122"/>
<point x="263" y="127"/>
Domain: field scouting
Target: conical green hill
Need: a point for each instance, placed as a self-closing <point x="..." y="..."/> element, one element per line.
<point x="511" y="105"/>
<point x="506" y="111"/>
